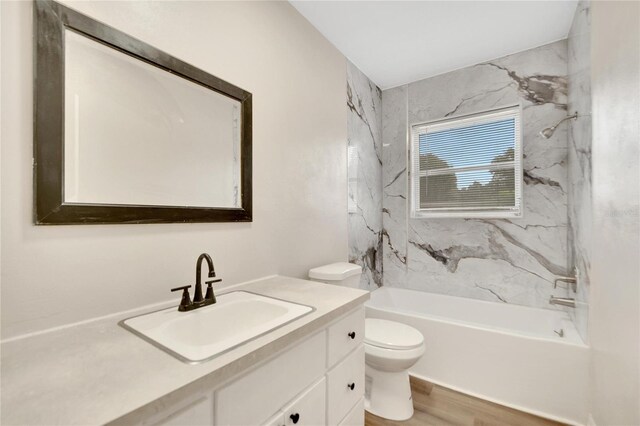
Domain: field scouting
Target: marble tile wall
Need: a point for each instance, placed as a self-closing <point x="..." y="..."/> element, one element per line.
<point x="579" y="159"/>
<point x="502" y="260"/>
<point x="364" y="101"/>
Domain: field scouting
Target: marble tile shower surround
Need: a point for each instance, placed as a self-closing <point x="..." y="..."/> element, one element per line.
<point x="579" y="159"/>
<point x="364" y="102"/>
<point x="503" y="260"/>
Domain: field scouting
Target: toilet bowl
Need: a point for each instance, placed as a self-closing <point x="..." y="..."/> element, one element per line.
<point x="391" y="348"/>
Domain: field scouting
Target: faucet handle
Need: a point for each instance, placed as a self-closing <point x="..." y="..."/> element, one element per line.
<point x="209" y="294"/>
<point x="573" y="282"/>
<point x="184" y="287"/>
<point x="186" y="300"/>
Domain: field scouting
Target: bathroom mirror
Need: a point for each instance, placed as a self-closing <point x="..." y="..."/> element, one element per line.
<point x="125" y="133"/>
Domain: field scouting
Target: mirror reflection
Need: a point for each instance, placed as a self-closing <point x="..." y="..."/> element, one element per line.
<point x="136" y="134"/>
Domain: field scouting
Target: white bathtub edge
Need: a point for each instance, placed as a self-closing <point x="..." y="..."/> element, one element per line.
<point x="503" y="403"/>
<point x="443" y="320"/>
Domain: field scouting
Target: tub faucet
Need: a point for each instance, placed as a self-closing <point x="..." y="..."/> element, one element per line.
<point x="564" y="301"/>
<point x="573" y="281"/>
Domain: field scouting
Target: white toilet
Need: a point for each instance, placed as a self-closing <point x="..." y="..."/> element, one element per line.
<point x="391" y="348"/>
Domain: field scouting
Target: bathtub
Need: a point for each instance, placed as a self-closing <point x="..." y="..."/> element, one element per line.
<point x="511" y="355"/>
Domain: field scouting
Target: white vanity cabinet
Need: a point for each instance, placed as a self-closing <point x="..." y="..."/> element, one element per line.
<point x="345" y="335"/>
<point x="310" y="408"/>
<point x="256" y="396"/>
<point x="317" y="381"/>
<point x="345" y="386"/>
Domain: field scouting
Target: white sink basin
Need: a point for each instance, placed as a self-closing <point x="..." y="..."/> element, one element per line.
<point x="207" y="332"/>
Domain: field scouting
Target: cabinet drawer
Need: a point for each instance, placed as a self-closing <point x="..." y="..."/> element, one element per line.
<point x="355" y="417"/>
<point x="309" y="408"/>
<point x="341" y="396"/>
<point x="345" y="335"/>
<point x="255" y="397"/>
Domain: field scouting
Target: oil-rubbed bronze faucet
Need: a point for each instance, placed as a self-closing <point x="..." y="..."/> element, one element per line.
<point x="198" y="301"/>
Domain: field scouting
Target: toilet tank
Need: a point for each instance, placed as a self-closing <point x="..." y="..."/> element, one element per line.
<point x="340" y="273"/>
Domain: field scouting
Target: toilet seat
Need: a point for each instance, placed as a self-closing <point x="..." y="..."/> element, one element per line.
<point x="391" y="335"/>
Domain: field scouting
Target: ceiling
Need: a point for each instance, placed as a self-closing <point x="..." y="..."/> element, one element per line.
<point x="397" y="42"/>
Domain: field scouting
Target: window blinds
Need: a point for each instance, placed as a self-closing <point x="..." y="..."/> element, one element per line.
<point x="468" y="167"/>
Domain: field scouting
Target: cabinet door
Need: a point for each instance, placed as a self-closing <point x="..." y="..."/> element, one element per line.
<point x="345" y="386"/>
<point x="309" y="408"/>
<point x="253" y="398"/>
<point x="345" y="335"/>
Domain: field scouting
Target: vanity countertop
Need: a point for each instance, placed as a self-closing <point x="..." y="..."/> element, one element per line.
<point x="98" y="372"/>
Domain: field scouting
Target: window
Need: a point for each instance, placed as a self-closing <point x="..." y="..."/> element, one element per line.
<point x="468" y="166"/>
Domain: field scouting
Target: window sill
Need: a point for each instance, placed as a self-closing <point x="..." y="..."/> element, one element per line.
<point x="466" y="215"/>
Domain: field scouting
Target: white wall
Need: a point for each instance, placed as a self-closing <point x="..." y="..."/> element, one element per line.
<point x="614" y="317"/>
<point x="61" y="274"/>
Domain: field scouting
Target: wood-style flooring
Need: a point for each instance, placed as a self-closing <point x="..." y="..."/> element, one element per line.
<point x="438" y="406"/>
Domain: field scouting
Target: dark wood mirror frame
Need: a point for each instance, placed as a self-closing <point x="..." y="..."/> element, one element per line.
<point x="50" y="21"/>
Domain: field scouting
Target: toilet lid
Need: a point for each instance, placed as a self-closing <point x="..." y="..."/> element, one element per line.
<point x="391" y="334"/>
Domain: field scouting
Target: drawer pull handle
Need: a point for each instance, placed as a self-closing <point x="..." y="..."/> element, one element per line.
<point x="352" y="335"/>
<point x="351" y="386"/>
<point x="294" y="418"/>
